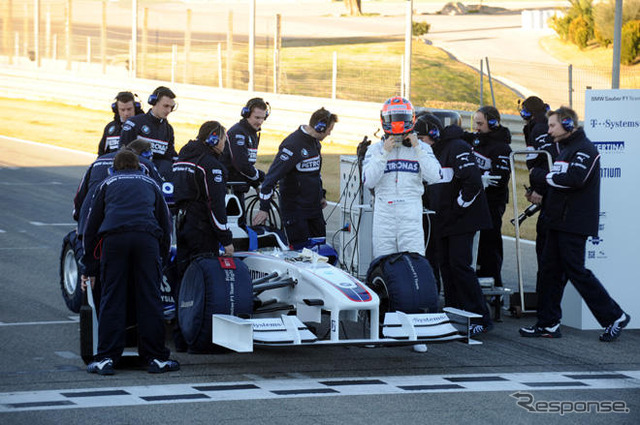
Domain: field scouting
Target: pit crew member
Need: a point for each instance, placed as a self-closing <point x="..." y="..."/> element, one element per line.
<point x="490" y="144"/>
<point x="461" y="210"/>
<point x="124" y="106"/>
<point x="154" y="127"/>
<point x="296" y="168"/>
<point x="127" y="236"/>
<point x="241" y="152"/>
<point x="100" y="170"/>
<point x="572" y="211"/>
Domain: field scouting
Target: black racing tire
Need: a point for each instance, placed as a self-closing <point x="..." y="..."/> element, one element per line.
<point x="70" y="282"/>
<point x="378" y="284"/>
<point x="86" y="332"/>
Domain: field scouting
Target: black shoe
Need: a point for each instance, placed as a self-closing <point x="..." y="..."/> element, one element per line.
<point x="541" y="331"/>
<point x="612" y="332"/>
<point x="102" y="367"/>
<point x="162" y="366"/>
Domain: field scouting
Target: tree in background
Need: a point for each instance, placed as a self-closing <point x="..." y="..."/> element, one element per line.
<point x="604" y="15"/>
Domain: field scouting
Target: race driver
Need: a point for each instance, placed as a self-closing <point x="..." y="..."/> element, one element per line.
<point x="395" y="168"/>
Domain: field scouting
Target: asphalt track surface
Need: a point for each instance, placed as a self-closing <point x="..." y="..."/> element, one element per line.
<point x="43" y="379"/>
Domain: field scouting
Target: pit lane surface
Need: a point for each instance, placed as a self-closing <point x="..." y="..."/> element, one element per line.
<point x="451" y="383"/>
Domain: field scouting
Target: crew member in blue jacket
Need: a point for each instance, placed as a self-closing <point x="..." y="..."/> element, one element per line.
<point x="461" y="210"/>
<point x="572" y="210"/>
<point x="241" y="152"/>
<point x="296" y="168"/>
<point x="154" y="127"/>
<point x="99" y="170"/>
<point x="124" y="106"/>
<point x="128" y="234"/>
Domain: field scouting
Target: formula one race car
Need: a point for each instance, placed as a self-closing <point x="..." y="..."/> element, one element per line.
<point x="274" y="296"/>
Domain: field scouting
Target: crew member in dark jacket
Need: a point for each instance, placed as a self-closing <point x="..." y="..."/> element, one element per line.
<point x="199" y="194"/>
<point x="99" y="170"/>
<point x="461" y="210"/>
<point x="240" y="154"/>
<point x="154" y="127"/>
<point x="296" y="168"/>
<point x="124" y="106"/>
<point x="572" y="210"/>
<point x="490" y="144"/>
<point x="129" y="231"/>
<point x="534" y="111"/>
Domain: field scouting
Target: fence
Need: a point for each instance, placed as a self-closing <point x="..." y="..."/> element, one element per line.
<point x="213" y="49"/>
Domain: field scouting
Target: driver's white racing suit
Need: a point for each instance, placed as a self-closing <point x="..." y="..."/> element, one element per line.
<point x="396" y="178"/>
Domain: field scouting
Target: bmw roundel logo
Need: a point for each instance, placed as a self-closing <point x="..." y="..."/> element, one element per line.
<point x="347" y="285"/>
<point x="111" y="129"/>
<point x="145" y="129"/>
<point x="304" y="152"/>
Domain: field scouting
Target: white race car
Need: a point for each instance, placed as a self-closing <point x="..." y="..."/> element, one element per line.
<point x="294" y="290"/>
<point x="298" y="299"/>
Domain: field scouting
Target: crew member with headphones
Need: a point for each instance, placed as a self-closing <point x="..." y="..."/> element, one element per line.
<point x="533" y="111"/>
<point x="572" y="211"/>
<point x="490" y="145"/>
<point x="124" y="106"/>
<point x="199" y="194"/>
<point x="154" y="127"/>
<point x="241" y="153"/>
<point x="296" y="168"/>
<point x="461" y="210"/>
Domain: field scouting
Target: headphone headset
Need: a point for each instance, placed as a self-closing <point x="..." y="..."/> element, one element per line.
<point x="493" y="123"/>
<point x="568" y="124"/>
<point x="251" y="104"/>
<point x="136" y="102"/>
<point x="524" y="113"/>
<point x="212" y="139"/>
<point x="322" y="124"/>
<point x="432" y="129"/>
<point x="153" y="98"/>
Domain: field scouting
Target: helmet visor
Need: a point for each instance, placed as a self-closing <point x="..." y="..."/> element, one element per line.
<point x="397" y="122"/>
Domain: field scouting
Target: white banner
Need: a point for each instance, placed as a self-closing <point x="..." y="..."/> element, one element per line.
<point x="612" y="123"/>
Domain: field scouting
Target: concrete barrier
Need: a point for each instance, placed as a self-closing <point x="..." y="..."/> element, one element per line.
<point x="86" y="86"/>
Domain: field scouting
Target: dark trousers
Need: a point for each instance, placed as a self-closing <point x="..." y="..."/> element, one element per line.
<point x="564" y="256"/>
<point x="490" y="252"/>
<point x="300" y="229"/>
<point x="461" y="287"/>
<point x="131" y="263"/>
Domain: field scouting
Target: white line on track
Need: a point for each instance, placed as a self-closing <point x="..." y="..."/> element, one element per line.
<point x="72" y="319"/>
<point x="39" y="223"/>
<point x="29" y="142"/>
<point x="270" y="389"/>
